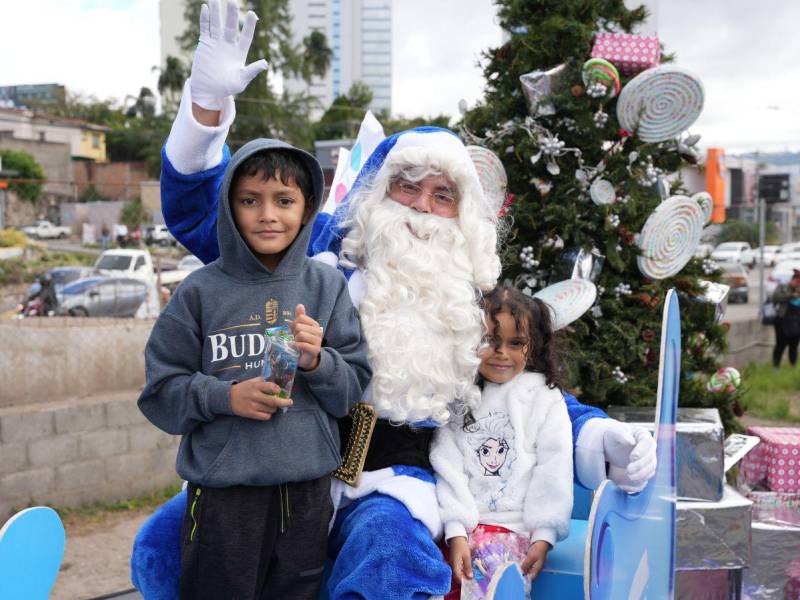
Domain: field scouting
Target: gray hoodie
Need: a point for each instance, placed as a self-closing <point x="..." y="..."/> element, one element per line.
<point x="212" y="333"/>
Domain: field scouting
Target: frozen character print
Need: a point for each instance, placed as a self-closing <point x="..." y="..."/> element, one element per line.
<point x="492" y="441"/>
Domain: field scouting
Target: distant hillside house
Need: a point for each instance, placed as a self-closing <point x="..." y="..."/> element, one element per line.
<point x="86" y="140"/>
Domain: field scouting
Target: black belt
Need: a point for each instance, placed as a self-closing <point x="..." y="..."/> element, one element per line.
<point x="393" y="445"/>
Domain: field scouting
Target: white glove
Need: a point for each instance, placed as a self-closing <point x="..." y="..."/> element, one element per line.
<point x="218" y="68"/>
<point x="631" y="454"/>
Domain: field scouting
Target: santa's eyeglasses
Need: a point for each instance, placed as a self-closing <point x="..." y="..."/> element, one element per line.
<point x="410" y="191"/>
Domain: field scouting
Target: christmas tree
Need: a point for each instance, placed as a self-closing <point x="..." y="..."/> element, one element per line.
<point x="583" y="188"/>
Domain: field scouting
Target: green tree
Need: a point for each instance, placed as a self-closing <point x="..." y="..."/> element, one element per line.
<point x="133" y="214"/>
<point x="740" y="231"/>
<point x="552" y="212"/>
<point x="401" y="123"/>
<point x="90" y="194"/>
<point x="27" y="169"/>
<point x="170" y="82"/>
<point x="316" y="55"/>
<point x="344" y="115"/>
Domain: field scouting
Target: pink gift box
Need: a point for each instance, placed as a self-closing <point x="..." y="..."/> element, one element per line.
<point x="775" y="462"/>
<point x="630" y="53"/>
<point x="791" y="590"/>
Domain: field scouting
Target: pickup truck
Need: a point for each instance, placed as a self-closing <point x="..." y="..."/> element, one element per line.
<point x="137" y="264"/>
<point x="46" y="230"/>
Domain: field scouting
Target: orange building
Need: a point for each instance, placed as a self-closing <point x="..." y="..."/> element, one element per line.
<point x="715" y="182"/>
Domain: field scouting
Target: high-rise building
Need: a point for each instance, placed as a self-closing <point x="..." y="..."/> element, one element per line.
<point x="358" y="31"/>
<point x="360" y="34"/>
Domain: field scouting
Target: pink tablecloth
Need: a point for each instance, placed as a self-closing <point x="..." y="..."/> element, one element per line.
<point x="775" y="462"/>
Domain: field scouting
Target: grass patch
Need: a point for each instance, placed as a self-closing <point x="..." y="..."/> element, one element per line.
<point x="98" y="510"/>
<point x="26" y="269"/>
<point x="770" y="393"/>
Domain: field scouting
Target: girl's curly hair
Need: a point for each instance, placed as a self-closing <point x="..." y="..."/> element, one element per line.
<point x="534" y="319"/>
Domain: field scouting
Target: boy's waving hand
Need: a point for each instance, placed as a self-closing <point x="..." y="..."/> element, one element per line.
<point x="218" y="68"/>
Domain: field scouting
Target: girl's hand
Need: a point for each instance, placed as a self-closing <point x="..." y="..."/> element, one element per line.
<point x="534" y="560"/>
<point x="307" y="337"/>
<point x="256" y="399"/>
<point x="460" y="559"/>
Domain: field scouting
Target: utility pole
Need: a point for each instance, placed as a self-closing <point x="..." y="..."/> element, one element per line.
<point x="762" y="230"/>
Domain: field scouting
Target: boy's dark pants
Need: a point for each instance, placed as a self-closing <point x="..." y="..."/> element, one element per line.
<point x="253" y="543"/>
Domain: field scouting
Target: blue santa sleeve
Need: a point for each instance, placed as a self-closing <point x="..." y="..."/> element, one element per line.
<point x="579" y="414"/>
<point x="189" y="204"/>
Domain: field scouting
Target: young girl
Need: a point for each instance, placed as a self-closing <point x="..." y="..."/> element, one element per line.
<point x="504" y="471"/>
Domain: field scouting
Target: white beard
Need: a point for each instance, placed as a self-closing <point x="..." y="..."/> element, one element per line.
<point x="420" y="313"/>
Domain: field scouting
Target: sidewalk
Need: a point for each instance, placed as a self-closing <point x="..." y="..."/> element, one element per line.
<point x="97" y="557"/>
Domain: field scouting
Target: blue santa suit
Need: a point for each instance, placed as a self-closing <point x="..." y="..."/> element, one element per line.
<point x="382" y="540"/>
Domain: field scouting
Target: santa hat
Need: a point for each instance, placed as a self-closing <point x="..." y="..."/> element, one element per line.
<point x="434" y="146"/>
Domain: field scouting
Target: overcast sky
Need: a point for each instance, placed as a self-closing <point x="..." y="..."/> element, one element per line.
<point x="747" y="54"/>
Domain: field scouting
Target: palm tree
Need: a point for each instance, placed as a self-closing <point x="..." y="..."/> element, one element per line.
<point x="171" y="79"/>
<point x="316" y="55"/>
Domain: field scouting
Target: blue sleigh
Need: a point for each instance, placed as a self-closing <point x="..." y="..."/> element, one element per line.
<point x="620" y="546"/>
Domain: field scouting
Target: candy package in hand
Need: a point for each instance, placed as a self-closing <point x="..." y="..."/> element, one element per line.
<point x="280" y="359"/>
<point x="491" y="548"/>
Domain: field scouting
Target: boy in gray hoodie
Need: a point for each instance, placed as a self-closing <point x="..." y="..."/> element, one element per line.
<point x="258" y="478"/>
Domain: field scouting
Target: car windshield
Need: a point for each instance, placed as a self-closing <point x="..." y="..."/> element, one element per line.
<point x="81" y="285"/>
<point x="729" y="246"/>
<point x="114" y="262"/>
<point x="64" y="276"/>
<point x="790" y="247"/>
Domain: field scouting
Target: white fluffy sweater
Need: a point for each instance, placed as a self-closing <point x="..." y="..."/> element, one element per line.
<point x="512" y="467"/>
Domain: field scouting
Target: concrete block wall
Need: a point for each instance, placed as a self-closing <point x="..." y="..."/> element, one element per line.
<point x="81" y="450"/>
<point x="49" y="359"/>
<point x="749" y="341"/>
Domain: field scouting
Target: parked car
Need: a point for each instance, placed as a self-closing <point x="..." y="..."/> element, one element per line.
<point x="46" y="230"/>
<point x="189" y="263"/>
<point x="789" y="252"/>
<point x="102" y="297"/>
<point x="62" y="276"/>
<point x="738" y="252"/>
<point x="782" y="273"/>
<point x="126" y="263"/>
<point x="158" y="234"/>
<point x="734" y="274"/>
<point x="703" y="250"/>
<point x="771" y="254"/>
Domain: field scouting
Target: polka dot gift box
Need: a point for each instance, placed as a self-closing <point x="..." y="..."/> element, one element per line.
<point x="630" y="53"/>
<point x="776" y="460"/>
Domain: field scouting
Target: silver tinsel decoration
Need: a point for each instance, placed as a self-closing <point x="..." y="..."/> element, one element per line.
<point x="619" y="375"/>
<point x="600" y="118"/>
<point x="597" y="90"/>
<point x="622" y="289"/>
<point x="526" y="258"/>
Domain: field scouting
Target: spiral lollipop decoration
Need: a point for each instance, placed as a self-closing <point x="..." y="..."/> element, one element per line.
<point x="491" y="174"/>
<point x="660" y="103"/>
<point x="568" y="300"/>
<point x="706" y="203"/>
<point x="670" y="237"/>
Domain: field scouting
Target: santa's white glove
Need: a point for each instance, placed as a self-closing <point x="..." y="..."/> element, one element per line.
<point x="630" y="451"/>
<point x="218" y="68"/>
